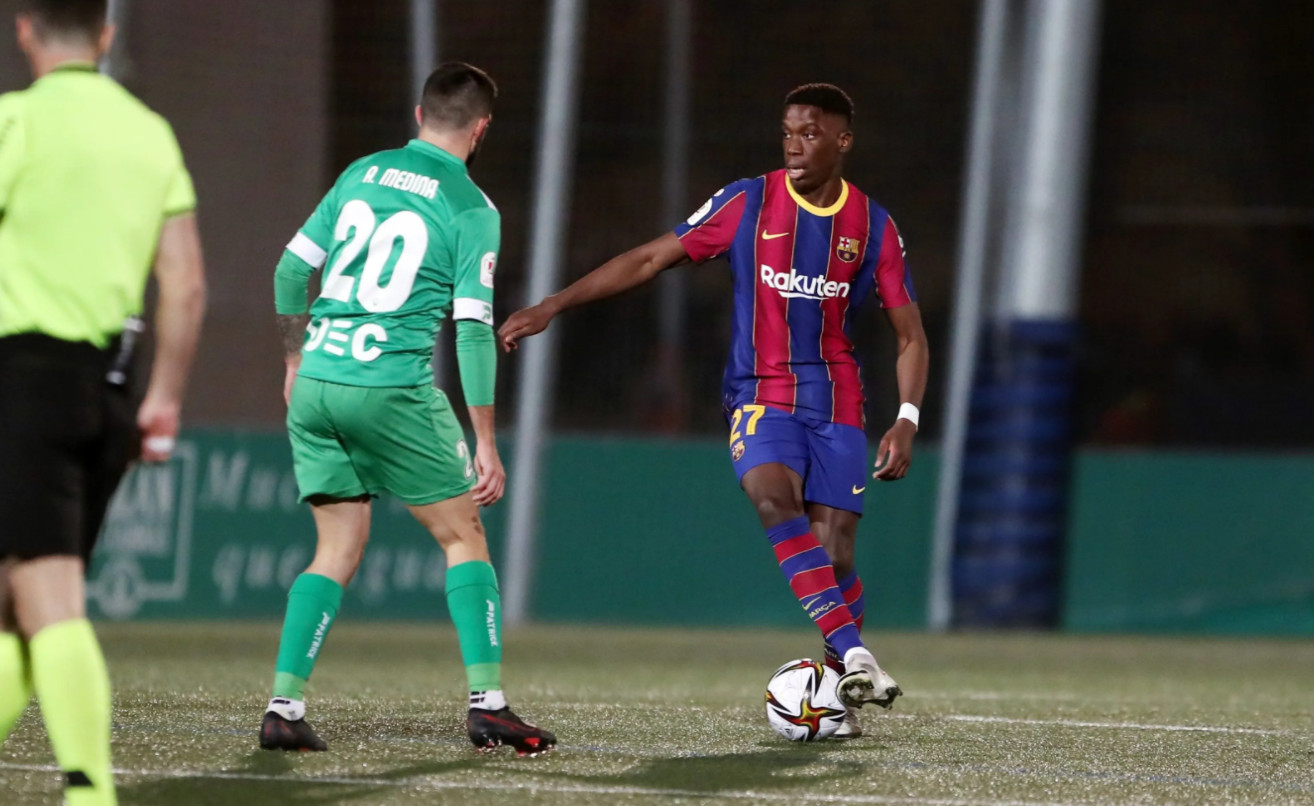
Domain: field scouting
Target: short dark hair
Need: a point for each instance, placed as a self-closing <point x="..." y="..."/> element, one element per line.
<point x="826" y="97"/>
<point x="456" y="95"/>
<point x="63" y="19"/>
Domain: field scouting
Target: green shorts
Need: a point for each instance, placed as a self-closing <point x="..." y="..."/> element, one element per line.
<point x="349" y="441"/>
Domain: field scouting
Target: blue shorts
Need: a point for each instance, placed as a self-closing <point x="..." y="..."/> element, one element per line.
<point x="829" y="457"/>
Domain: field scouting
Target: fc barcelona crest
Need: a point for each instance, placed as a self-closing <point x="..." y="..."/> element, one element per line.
<point x="847" y="249"/>
<point x="737" y="450"/>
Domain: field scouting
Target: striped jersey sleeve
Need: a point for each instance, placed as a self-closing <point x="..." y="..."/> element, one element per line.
<point x="712" y="228"/>
<point x="894" y="285"/>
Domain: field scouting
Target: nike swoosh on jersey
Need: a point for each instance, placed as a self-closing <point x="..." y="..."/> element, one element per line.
<point x="808" y="604"/>
<point x="772" y="236"/>
<point x="857" y="490"/>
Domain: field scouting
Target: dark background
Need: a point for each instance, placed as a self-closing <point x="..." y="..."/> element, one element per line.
<point x="1197" y="300"/>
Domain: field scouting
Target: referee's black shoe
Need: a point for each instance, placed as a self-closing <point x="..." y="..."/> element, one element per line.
<point x="490" y="730"/>
<point x="278" y="733"/>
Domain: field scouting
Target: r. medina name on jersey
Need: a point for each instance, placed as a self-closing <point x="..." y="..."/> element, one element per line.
<point x="800" y="274"/>
<point x="405" y="239"/>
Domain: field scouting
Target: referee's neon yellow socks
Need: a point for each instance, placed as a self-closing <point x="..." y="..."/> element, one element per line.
<point x="476" y="610"/>
<point x="72" y="686"/>
<point x="15" y="682"/>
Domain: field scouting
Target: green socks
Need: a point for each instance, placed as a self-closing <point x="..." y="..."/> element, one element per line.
<point x="476" y="610"/>
<point x="73" y="688"/>
<point x="15" y="682"/>
<point x="312" y="604"/>
<point x="472" y="599"/>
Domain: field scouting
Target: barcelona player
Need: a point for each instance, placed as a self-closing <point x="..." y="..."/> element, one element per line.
<point x="806" y="250"/>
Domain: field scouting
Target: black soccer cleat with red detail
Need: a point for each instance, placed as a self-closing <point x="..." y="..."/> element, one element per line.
<point x="490" y="730"/>
<point x="278" y="733"/>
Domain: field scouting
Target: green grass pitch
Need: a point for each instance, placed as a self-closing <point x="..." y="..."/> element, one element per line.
<point x="667" y="717"/>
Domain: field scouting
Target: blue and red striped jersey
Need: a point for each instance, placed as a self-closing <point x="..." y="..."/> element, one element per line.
<point x="800" y="273"/>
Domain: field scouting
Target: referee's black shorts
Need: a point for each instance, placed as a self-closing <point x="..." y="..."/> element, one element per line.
<point x="66" y="438"/>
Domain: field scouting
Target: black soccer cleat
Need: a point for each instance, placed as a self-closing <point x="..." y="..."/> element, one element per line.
<point x="279" y="733"/>
<point x="490" y="730"/>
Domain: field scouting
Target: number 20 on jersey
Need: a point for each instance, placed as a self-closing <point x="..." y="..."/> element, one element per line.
<point x="359" y="227"/>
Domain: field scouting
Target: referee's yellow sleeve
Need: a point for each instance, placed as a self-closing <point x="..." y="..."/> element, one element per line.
<point x="13" y="144"/>
<point x="181" y="196"/>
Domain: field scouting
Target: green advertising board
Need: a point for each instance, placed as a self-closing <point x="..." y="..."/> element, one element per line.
<point x="658" y="532"/>
<point x="217" y="533"/>
<point x="632" y="531"/>
<point x="1192" y="542"/>
<point x="655" y="531"/>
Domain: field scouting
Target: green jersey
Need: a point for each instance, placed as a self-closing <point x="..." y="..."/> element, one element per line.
<point x="405" y="239"/>
<point x="88" y="176"/>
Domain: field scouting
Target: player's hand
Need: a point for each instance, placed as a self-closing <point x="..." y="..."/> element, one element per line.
<point x="491" y="475"/>
<point x="523" y="323"/>
<point x="895" y="451"/>
<point x="157" y="419"/>
<point x="290" y="377"/>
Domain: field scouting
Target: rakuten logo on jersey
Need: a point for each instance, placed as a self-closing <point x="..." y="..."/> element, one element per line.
<point x="793" y="285"/>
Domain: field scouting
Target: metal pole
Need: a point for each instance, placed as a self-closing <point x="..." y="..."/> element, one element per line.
<point x="424" y="43"/>
<point x="1044" y="229"/>
<point x="973" y="246"/>
<point x="675" y="165"/>
<point x="1012" y="504"/>
<point x="424" y="57"/>
<point x="552" y="188"/>
<point x="115" y="62"/>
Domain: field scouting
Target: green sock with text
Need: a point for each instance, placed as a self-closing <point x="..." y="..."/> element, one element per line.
<point x="312" y="604"/>
<point x="476" y="610"/>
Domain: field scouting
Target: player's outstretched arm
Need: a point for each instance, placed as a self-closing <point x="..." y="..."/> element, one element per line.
<point x="180" y="274"/>
<point x="895" y="452"/>
<point x="621" y="273"/>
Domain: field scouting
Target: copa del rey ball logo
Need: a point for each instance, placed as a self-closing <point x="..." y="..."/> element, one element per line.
<point x="793" y="285"/>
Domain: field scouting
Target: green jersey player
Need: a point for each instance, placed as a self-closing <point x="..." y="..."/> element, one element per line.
<point x="405" y="239"/>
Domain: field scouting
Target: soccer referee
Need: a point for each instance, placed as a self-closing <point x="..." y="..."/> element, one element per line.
<point x="93" y="196"/>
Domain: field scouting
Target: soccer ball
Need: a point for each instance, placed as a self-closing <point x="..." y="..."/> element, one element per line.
<point x="801" y="702"/>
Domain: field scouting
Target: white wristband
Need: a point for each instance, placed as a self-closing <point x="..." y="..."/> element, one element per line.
<point x="909" y="412"/>
<point x="159" y="444"/>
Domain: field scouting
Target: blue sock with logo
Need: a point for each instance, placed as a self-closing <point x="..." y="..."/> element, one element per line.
<point x="812" y="578"/>
<point x="851" y="588"/>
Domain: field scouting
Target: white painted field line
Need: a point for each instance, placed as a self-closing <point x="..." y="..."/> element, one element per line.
<point x="1006" y="720"/>
<point x="1076" y="723"/>
<point x="1025" y="696"/>
<point x="577" y="789"/>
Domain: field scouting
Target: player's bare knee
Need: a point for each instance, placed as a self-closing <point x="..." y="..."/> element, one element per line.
<point x="46" y="591"/>
<point x="338" y="557"/>
<point x="842" y="562"/>
<point x="775" y="509"/>
<point x="835" y="548"/>
<point x="456" y="525"/>
<point x="464" y="541"/>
